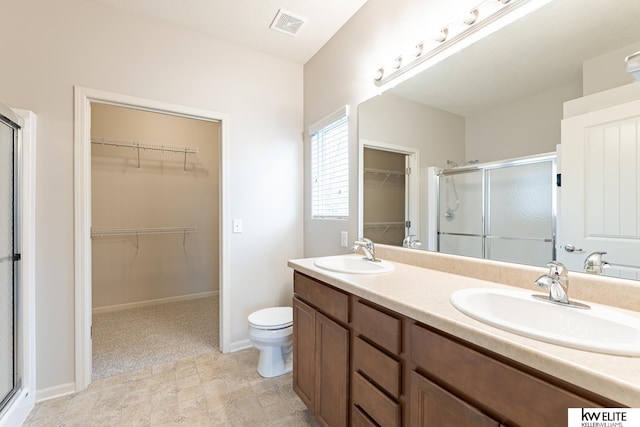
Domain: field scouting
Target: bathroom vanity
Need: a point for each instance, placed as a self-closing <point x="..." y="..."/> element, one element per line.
<point x="389" y="349"/>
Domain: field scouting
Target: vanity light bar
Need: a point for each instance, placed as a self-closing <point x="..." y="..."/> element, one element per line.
<point x="458" y="34"/>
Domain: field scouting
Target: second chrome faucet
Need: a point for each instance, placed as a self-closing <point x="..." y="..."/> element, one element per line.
<point x="367" y="247"/>
<point x="557" y="282"/>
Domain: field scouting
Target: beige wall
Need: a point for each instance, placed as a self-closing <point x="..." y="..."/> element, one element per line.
<point x="52" y="46"/>
<point x="521" y="128"/>
<point x="607" y="71"/>
<point x="161" y="193"/>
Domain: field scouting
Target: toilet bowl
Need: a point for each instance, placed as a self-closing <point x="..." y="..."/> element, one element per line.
<point x="271" y="332"/>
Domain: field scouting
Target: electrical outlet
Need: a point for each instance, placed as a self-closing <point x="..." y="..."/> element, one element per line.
<point x="343" y="239"/>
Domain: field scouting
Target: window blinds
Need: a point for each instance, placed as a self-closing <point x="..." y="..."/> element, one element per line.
<point x="330" y="166"/>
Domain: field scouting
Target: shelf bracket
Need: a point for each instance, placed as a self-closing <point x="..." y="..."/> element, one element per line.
<point x="386" y="178"/>
<point x="138" y="150"/>
<point x="184" y="167"/>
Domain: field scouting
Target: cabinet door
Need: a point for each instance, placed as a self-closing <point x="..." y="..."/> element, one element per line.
<point x="431" y="405"/>
<point x="304" y="352"/>
<point x="332" y="372"/>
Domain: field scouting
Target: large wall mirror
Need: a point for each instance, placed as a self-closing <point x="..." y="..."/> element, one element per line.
<point x="495" y="105"/>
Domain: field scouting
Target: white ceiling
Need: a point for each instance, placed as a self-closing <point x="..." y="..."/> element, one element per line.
<point x="246" y="22"/>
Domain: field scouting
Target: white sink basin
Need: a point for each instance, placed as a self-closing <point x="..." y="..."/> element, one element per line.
<point x="354" y="264"/>
<point x="596" y="329"/>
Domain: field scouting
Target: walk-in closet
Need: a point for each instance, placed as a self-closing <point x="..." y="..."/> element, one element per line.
<point x="384" y="196"/>
<point x="155" y="237"/>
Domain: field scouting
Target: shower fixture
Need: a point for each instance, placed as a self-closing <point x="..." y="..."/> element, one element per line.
<point x="454" y="164"/>
<point x="449" y="214"/>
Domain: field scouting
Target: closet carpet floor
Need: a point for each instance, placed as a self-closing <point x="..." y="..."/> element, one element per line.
<point x="137" y="338"/>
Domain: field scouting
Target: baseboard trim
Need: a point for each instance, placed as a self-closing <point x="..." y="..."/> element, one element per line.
<point x="119" y="307"/>
<point x="239" y="345"/>
<point x="55" y="391"/>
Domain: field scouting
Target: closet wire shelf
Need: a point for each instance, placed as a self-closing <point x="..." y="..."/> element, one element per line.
<point x="387" y="174"/>
<point x="137" y="232"/>
<point x="385" y="225"/>
<point x="136" y="145"/>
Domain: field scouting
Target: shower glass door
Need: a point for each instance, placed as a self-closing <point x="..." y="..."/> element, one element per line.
<point x="9" y="378"/>
<point x="461" y="200"/>
<point x="503" y="210"/>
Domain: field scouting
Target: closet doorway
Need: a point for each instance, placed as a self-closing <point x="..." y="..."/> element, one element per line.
<point x="388" y="192"/>
<point x="151" y="248"/>
<point x="155" y="238"/>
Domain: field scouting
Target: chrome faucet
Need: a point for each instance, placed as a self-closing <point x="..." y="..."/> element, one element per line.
<point x="594" y="263"/>
<point x="367" y="247"/>
<point x="411" y="242"/>
<point x="557" y="281"/>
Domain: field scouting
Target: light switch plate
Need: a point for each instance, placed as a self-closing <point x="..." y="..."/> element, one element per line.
<point x="237" y="226"/>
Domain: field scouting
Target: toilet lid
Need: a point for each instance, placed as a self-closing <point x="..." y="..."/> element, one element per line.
<point x="274" y="317"/>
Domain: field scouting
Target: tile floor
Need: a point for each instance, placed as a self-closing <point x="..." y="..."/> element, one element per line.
<point x="212" y="389"/>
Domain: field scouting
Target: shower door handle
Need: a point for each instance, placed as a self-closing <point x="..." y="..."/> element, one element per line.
<point x="571" y="248"/>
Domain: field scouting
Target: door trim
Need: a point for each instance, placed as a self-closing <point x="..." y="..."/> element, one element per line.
<point x="82" y="214"/>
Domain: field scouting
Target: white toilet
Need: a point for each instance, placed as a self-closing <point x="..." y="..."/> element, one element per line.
<point x="271" y="332"/>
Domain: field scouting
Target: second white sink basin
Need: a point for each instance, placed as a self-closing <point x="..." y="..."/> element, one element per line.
<point x="596" y="329"/>
<point x="354" y="264"/>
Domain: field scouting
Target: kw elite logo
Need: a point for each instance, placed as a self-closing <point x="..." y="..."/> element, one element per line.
<point x="604" y="417"/>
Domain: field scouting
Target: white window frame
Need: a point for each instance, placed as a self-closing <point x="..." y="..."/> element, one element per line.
<point x="330" y="166"/>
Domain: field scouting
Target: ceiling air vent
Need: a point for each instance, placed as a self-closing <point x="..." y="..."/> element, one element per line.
<point x="287" y="23"/>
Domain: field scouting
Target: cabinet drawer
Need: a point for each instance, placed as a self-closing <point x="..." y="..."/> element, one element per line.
<point x="328" y="300"/>
<point x="373" y="363"/>
<point x="379" y="327"/>
<point x="359" y="419"/>
<point x="383" y="410"/>
<point x="491" y="383"/>
<point x="435" y="407"/>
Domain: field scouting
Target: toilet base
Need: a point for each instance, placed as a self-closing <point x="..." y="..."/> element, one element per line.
<point x="273" y="363"/>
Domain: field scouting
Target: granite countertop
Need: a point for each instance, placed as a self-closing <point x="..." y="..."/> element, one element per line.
<point x="423" y="294"/>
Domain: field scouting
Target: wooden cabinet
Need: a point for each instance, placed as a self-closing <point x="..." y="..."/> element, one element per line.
<point x="321" y="350"/>
<point x="304" y="352"/>
<point x="433" y="406"/>
<point x="488" y="384"/>
<point x="332" y="372"/>
<point x="377" y="368"/>
<point x="404" y="373"/>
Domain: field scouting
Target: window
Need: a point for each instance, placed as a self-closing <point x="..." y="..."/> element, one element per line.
<point x="330" y="166"/>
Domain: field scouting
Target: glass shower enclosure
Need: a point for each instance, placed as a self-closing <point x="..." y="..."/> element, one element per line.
<point x="503" y="211"/>
<point x="9" y="295"/>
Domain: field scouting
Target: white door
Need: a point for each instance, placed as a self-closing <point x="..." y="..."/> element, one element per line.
<point x="600" y="193"/>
